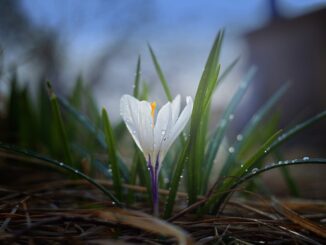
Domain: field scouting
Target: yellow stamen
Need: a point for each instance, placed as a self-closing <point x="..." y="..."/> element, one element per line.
<point x="153" y="107"/>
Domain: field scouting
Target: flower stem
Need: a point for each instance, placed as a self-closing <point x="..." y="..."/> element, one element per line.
<point x="154" y="180"/>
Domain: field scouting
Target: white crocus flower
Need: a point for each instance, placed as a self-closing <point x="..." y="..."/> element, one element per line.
<point x="154" y="136"/>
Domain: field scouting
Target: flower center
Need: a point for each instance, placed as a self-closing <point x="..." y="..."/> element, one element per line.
<point x="153" y="107"/>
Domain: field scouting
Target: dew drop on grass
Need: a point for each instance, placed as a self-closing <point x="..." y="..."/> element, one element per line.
<point x="305" y="158"/>
<point x="76" y="171"/>
<point x="254" y="170"/>
<point x="241" y="166"/>
<point x="231" y="117"/>
<point x="61" y="164"/>
<point x="279" y="162"/>
<point x="181" y="176"/>
<point x="163" y="132"/>
<point x="231" y="149"/>
<point x="239" y="137"/>
<point x="113" y="203"/>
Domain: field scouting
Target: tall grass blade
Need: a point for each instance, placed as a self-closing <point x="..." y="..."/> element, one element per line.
<point x="62" y="165"/>
<point x="279" y="164"/>
<point x="198" y="127"/>
<point x="160" y="74"/>
<point x="58" y="118"/>
<point x="112" y="153"/>
<point x="227" y="70"/>
<point x="174" y="184"/>
<point x="98" y="134"/>
<point x="247" y="166"/>
<point x="296" y="129"/>
<point x="276" y="140"/>
<point x="219" y="133"/>
<point x="77" y="93"/>
<point x="250" y="129"/>
<point x="137" y="78"/>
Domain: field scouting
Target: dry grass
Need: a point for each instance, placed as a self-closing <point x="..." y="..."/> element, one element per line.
<point x="38" y="206"/>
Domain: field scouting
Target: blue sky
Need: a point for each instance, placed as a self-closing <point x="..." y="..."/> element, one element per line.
<point x="181" y="33"/>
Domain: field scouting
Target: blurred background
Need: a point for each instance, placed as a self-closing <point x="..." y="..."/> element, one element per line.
<point x="100" y="41"/>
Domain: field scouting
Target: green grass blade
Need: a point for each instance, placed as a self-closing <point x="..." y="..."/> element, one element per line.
<point x="113" y="161"/>
<point x="254" y="172"/>
<point x="77" y="93"/>
<point x="276" y="140"/>
<point x="250" y="163"/>
<point x="133" y="176"/>
<point x="290" y="182"/>
<point x="160" y="74"/>
<point x="174" y="184"/>
<point x="61" y="165"/>
<point x="137" y="78"/>
<point x="58" y="118"/>
<point x="83" y="120"/>
<point x="198" y="127"/>
<point x="294" y="190"/>
<point x="296" y="129"/>
<point x="144" y="175"/>
<point x="219" y="133"/>
<point x="250" y="130"/>
<point x="227" y="70"/>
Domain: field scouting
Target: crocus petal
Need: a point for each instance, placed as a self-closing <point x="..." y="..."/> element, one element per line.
<point x="176" y="108"/>
<point x="137" y="117"/>
<point x="162" y="129"/>
<point x="180" y="123"/>
<point x="145" y="129"/>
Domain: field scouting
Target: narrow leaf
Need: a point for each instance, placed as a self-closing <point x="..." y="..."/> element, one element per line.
<point x="83" y="120"/>
<point x="113" y="161"/>
<point x="58" y="117"/>
<point x="219" y="133"/>
<point x="137" y="79"/>
<point x="29" y="153"/>
<point x="160" y="74"/>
